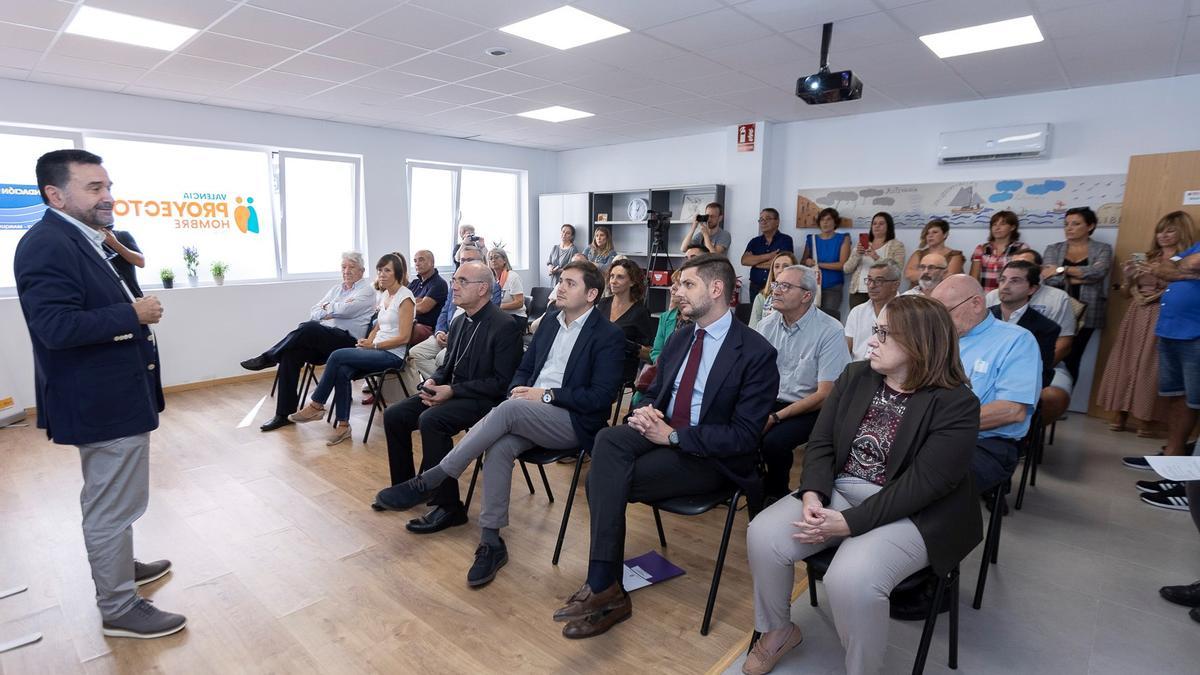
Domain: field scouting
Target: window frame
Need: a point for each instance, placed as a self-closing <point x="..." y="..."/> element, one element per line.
<point x="281" y="190"/>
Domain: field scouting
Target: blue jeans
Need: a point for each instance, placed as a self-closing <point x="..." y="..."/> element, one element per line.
<point x="345" y="365"/>
<point x="1179" y="369"/>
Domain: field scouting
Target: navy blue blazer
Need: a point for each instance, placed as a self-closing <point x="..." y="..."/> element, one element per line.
<point x="96" y="368"/>
<point x="593" y="372"/>
<point x="738" y="396"/>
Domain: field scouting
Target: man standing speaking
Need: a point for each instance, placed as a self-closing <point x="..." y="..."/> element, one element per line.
<point x="97" y="378"/>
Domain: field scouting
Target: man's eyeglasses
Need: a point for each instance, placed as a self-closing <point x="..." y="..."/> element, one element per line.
<point x="784" y="286"/>
<point x="881" y="333"/>
<point x="766" y="220"/>
<point x="959" y="303"/>
<point x="459" y="281"/>
<point x="873" y="281"/>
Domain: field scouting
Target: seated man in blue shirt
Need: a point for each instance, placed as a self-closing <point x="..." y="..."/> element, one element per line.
<point x="431" y="292"/>
<point x="1004" y="364"/>
<point x="761" y="250"/>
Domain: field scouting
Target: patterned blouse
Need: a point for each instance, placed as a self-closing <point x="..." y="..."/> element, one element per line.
<point x="991" y="263"/>
<point x="873" y="443"/>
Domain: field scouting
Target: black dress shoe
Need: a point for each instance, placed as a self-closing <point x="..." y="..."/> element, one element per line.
<point x="275" y="422"/>
<point x="402" y="496"/>
<point x="260" y="362"/>
<point x="488" y="560"/>
<point x="1188" y="596"/>
<point x="437" y="520"/>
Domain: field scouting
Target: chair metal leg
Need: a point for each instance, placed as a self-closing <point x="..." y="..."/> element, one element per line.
<point x="528" y="480"/>
<point x="930" y="623"/>
<point x="1052" y="426"/>
<point x="377" y="402"/>
<point x="812" y="585"/>
<point x="1036" y="453"/>
<point x="753" y="641"/>
<point x="546" y="484"/>
<point x="617" y="410"/>
<point x="562" y="529"/>
<point x="990" y="543"/>
<point x="952" y="662"/>
<point x="307" y="377"/>
<point x="474" y="477"/>
<point x="275" y="383"/>
<point x="1029" y="464"/>
<point x="662" y="537"/>
<point x="716" y="581"/>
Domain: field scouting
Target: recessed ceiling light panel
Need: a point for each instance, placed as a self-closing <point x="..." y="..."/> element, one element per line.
<point x="564" y="28"/>
<point x="129" y="29"/>
<point x="984" y="37"/>
<point x="555" y="113"/>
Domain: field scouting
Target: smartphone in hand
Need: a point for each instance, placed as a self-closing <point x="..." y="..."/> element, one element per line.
<point x="864" y="240"/>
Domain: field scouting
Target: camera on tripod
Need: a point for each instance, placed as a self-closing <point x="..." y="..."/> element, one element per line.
<point x="659" y="223"/>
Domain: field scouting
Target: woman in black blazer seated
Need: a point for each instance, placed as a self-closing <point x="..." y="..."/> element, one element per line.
<point x="886" y="479"/>
<point x="626" y="310"/>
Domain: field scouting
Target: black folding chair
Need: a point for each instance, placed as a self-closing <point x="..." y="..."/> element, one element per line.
<point x="539" y="301"/>
<point x="1032" y="445"/>
<point x="991" y="540"/>
<point x="375" y="384"/>
<point x="817" y="565"/>
<point x="308" y="377"/>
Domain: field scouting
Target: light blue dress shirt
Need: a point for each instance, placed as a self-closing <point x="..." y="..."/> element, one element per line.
<point x="714" y="337"/>
<point x="1004" y="364"/>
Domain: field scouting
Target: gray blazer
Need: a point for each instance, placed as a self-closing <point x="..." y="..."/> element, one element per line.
<point x="1094" y="290"/>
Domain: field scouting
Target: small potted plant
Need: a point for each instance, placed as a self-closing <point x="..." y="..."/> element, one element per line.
<point x="218" y="270"/>
<point x="191" y="258"/>
<point x="168" y="277"/>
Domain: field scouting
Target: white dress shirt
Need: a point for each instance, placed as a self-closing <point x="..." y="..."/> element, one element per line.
<point x="555" y="368"/>
<point x="96" y="239"/>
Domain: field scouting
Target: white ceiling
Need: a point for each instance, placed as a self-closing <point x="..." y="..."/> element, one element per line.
<point x="687" y="66"/>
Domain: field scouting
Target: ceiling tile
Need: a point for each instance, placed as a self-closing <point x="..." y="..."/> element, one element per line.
<point x="615" y="84"/>
<point x="49" y="14"/>
<point x="510" y="104"/>
<point x="763" y="52"/>
<point x="641" y="114"/>
<point x="603" y="105"/>
<point x="654" y="95"/>
<point x="85" y="82"/>
<point x="639" y="14"/>
<point x="720" y="83"/>
<point x="288" y="82"/>
<point x="1137" y="52"/>
<point x="258" y="94"/>
<point x="417" y="105"/>
<point x="489" y="13"/>
<point x="443" y="67"/>
<point x="420" y="27"/>
<point x="368" y="49"/>
<point x="631" y="50"/>
<point x="521" y="50"/>
<point x="505" y="82"/>
<point x="208" y="69"/>
<point x="24" y="37"/>
<point x="168" y="94"/>
<point x="1191" y="40"/>
<point x="893" y="62"/>
<point x="239" y="104"/>
<point x="397" y="83"/>
<point x="725" y="116"/>
<point x="693" y="105"/>
<point x="236" y="50"/>
<point x="723" y="26"/>
<point x="861" y="31"/>
<point x="342" y="13"/>
<point x="182" y="83"/>
<point x="279" y="29"/>
<point x="86" y="68"/>
<point x="301" y="112"/>
<point x="456" y="93"/>
<point x="1194" y="8"/>
<point x="1026" y="68"/>
<point x="82" y="47"/>
<point x="930" y="92"/>
<point x="464" y="115"/>
<point x="563" y="67"/>
<point x="785" y="15"/>
<point x="681" y="68"/>
<point x="21" y="59"/>
<point x="324" y="67"/>
<point x="193" y="13"/>
<point x="557" y="94"/>
<point x="1108" y="16"/>
<point x="935" y="16"/>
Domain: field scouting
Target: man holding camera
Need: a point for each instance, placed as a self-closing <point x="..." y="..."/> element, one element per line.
<point x="707" y="231"/>
<point x="467" y="237"/>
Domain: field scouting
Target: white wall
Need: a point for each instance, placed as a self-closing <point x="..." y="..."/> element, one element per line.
<point x="208" y="330"/>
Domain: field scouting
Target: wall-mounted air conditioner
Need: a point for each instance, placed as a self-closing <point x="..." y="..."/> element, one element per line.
<point x="1024" y="141"/>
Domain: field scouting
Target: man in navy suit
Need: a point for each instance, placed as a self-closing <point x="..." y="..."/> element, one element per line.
<point x="97" y="378"/>
<point x="559" y="398"/>
<point x="697" y="433"/>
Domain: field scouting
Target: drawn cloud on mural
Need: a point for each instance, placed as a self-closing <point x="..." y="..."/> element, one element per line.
<point x="1000" y="197"/>
<point x="1046" y="187"/>
<point x="870" y="192"/>
<point x="883" y="201"/>
<point x="1009" y="185"/>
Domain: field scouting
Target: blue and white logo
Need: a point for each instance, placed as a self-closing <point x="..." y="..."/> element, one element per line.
<point x="20" y="206"/>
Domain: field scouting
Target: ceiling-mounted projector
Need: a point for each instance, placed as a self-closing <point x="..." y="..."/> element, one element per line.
<point x="824" y="86"/>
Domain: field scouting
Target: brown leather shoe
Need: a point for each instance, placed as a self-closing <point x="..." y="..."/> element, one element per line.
<point x="598" y="622"/>
<point x="584" y="602"/>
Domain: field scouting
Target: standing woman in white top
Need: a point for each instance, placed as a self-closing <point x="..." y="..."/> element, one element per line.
<point x="512" y="290"/>
<point x="384" y="347"/>
<point x="881" y="244"/>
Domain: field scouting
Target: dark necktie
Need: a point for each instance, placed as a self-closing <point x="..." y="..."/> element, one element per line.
<point x="681" y="416"/>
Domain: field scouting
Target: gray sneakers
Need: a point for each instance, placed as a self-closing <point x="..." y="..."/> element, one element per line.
<point x="144" y="621"/>
<point x="144" y="573"/>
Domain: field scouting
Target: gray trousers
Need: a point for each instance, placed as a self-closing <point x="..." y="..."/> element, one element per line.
<point x="509" y="429"/>
<point x="116" y="490"/>
<point x="863" y="573"/>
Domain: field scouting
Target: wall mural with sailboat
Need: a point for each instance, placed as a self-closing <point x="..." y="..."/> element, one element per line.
<point x="1038" y="202"/>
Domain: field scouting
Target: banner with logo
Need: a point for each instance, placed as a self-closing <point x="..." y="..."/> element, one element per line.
<point x="20" y="202"/>
<point x="215" y="200"/>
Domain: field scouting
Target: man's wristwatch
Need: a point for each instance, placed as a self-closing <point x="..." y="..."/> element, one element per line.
<point x="673" y="439"/>
<point x="548" y="397"/>
<point x="1059" y="270"/>
<point x="775" y="417"/>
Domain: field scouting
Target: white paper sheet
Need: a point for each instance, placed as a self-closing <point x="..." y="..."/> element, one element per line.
<point x="1176" y="468"/>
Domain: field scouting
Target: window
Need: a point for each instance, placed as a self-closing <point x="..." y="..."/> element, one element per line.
<point x="442" y="197"/>
<point x="20" y="202"/>
<point x="320" y="207"/>
<point x="217" y="200"/>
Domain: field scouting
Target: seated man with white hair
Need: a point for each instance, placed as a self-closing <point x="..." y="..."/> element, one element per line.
<point x="1005" y="367"/>
<point x="337" y="321"/>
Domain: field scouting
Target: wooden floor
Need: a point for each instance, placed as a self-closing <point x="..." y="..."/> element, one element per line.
<point x="281" y="566"/>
